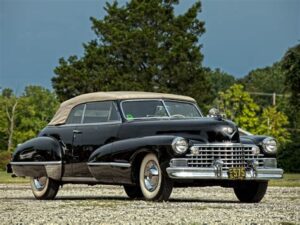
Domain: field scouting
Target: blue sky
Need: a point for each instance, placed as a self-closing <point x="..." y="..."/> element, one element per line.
<point x="241" y="35"/>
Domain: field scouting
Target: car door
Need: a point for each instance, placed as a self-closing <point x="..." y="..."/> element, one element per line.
<point x="99" y="126"/>
<point x="67" y="134"/>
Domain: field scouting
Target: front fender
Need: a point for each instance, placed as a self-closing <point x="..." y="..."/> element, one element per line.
<point x="116" y="159"/>
<point x="41" y="156"/>
<point x="252" y="139"/>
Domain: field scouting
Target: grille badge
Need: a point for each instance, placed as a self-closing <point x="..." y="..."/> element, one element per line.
<point x="228" y="130"/>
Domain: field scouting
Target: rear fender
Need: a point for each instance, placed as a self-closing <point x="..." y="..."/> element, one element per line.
<point x="41" y="156"/>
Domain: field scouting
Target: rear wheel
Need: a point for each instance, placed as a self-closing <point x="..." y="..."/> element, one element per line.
<point x="133" y="192"/>
<point x="44" y="188"/>
<point x="251" y="191"/>
<point x="155" y="185"/>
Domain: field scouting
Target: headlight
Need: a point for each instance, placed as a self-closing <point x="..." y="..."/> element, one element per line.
<point x="180" y="145"/>
<point x="269" y="145"/>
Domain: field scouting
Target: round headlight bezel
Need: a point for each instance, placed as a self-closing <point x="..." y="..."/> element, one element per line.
<point x="180" y="145"/>
<point x="269" y="145"/>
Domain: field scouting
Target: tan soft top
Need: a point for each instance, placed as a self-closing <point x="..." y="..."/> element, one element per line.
<point x="65" y="108"/>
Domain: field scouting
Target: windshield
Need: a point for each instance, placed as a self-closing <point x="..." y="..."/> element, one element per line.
<point x="182" y="109"/>
<point x="141" y="109"/>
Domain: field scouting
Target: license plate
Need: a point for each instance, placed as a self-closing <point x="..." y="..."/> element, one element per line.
<point x="237" y="173"/>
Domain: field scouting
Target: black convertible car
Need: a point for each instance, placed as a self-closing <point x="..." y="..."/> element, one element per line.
<point x="147" y="142"/>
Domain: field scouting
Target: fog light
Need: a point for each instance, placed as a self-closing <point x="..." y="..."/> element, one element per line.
<point x="194" y="150"/>
<point x="272" y="163"/>
<point x="178" y="163"/>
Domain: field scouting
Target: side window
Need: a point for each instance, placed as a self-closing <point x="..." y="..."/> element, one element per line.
<point x="76" y="114"/>
<point x="100" y="112"/>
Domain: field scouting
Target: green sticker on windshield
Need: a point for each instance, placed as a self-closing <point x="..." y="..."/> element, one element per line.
<point x="129" y="117"/>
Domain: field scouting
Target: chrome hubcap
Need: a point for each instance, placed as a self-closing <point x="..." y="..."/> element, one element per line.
<point x="40" y="182"/>
<point x="151" y="175"/>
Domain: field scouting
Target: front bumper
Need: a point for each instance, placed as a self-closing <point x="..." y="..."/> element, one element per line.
<point x="215" y="173"/>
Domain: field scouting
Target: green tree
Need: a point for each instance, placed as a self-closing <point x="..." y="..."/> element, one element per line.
<point x="8" y="111"/>
<point x="3" y="126"/>
<point x="22" y="117"/>
<point x="140" y="46"/>
<point x="273" y="123"/>
<point x="37" y="106"/>
<point x="289" y="154"/>
<point x="220" y="81"/>
<point x="291" y="67"/>
<point x="239" y="107"/>
<point x="269" y="79"/>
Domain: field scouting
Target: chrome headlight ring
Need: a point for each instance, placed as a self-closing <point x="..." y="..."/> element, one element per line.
<point x="180" y="145"/>
<point x="269" y="145"/>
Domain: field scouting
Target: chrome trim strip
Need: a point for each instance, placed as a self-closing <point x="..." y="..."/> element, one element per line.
<point x="35" y="163"/>
<point x="83" y="112"/>
<point x="125" y="165"/>
<point x="244" y="131"/>
<point x="88" y="124"/>
<point x="166" y="108"/>
<point x="79" y="179"/>
<point x="225" y="144"/>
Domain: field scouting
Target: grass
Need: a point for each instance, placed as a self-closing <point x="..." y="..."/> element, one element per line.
<point x="289" y="180"/>
<point x="5" y="178"/>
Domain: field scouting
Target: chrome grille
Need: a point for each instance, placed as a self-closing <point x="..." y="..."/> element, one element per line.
<point x="232" y="155"/>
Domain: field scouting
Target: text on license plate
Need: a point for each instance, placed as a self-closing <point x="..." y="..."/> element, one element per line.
<point x="237" y="173"/>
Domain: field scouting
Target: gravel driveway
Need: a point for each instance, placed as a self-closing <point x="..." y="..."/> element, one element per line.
<point x="82" y="204"/>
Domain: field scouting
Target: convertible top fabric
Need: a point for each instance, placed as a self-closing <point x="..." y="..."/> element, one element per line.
<point x="65" y="108"/>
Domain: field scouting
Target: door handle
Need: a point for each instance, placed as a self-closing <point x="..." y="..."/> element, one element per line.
<point x="77" y="132"/>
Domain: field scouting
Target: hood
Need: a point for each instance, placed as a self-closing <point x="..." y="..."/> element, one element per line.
<point x="204" y="130"/>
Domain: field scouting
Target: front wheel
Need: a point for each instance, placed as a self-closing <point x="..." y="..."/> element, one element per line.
<point x="251" y="191"/>
<point x="133" y="192"/>
<point x="154" y="184"/>
<point x="44" y="188"/>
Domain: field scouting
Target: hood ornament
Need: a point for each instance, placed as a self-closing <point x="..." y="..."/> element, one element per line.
<point x="214" y="112"/>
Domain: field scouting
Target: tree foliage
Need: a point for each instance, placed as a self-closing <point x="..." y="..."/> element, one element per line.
<point x="140" y="46"/>
<point x="22" y="117"/>
<point x="8" y="110"/>
<point x="239" y="107"/>
<point x="220" y="81"/>
<point x="273" y="123"/>
<point x="291" y="67"/>
<point x="289" y="154"/>
<point x="266" y="80"/>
